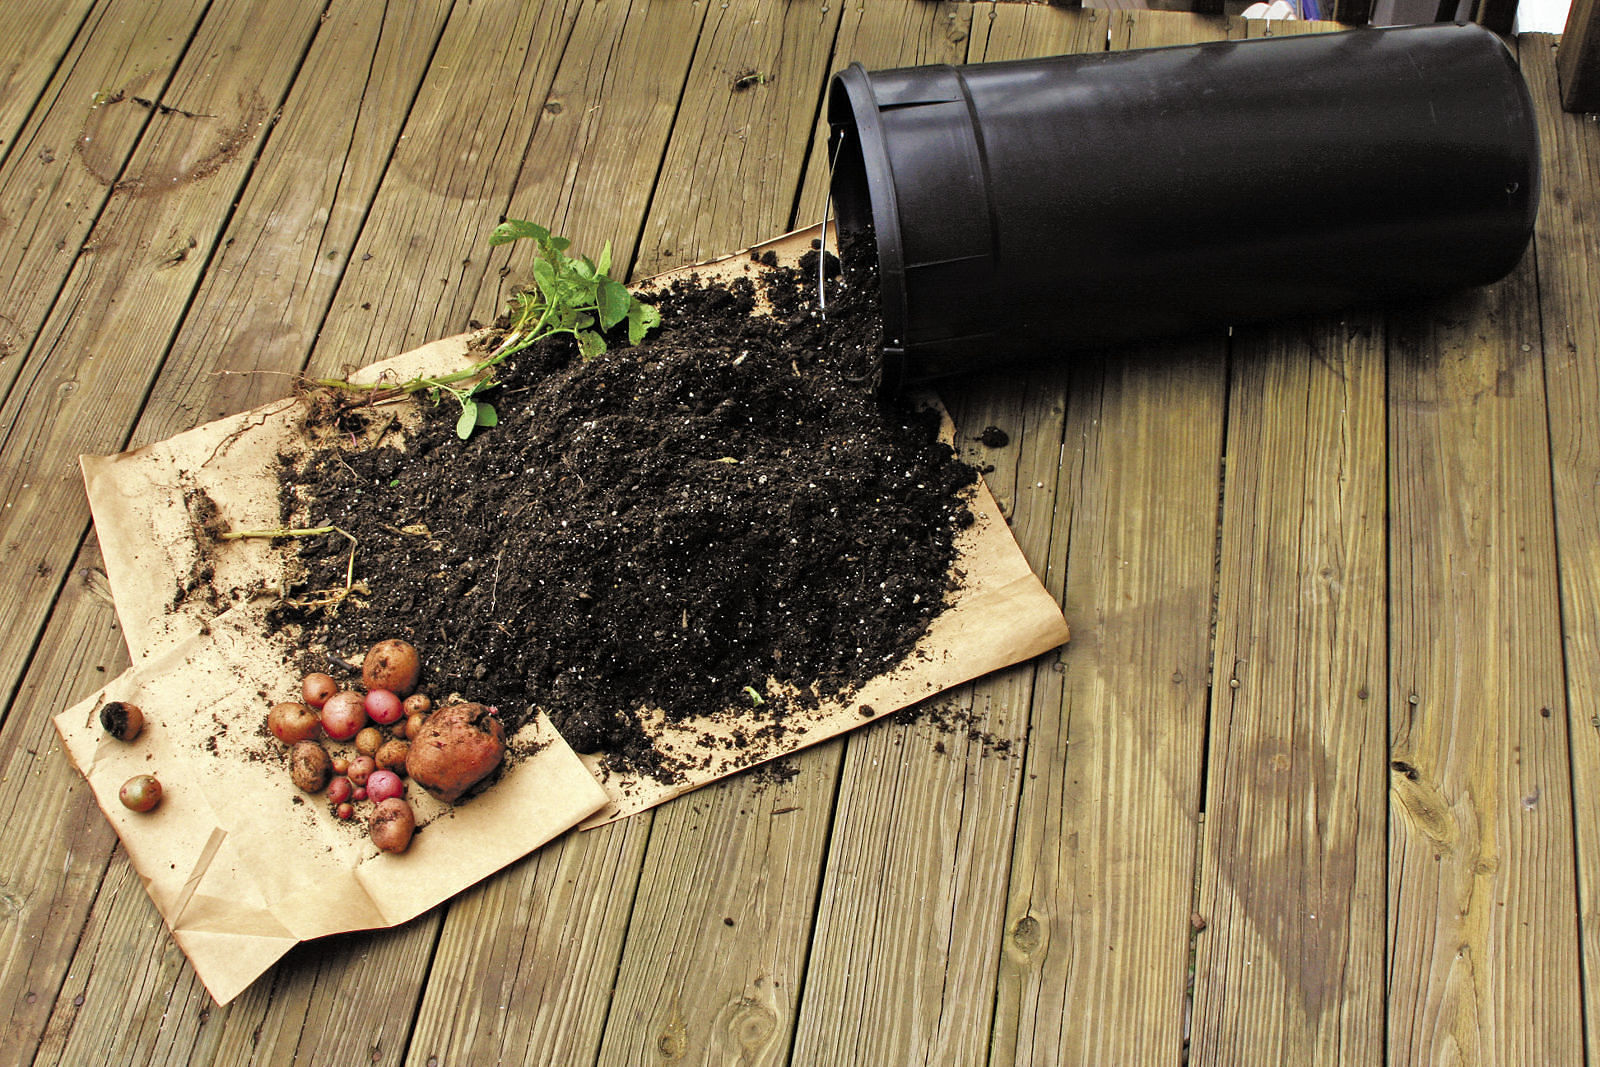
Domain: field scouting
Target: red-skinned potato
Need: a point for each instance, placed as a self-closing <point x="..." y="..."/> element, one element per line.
<point x="317" y="688"/>
<point x="344" y="714"/>
<point x="459" y="746"/>
<point x="392" y="665"/>
<point x="292" y="722"/>
<point x="392" y="825"/>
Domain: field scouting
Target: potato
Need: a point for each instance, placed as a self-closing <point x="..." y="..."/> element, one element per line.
<point x="310" y="766"/>
<point x="392" y="665"/>
<point x="391" y="755"/>
<point x="392" y="825"/>
<point x="292" y="722"/>
<point x="140" y="793"/>
<point x="368" y="740"/>
<point x="122" y="720"/>
<point x="459" y="746"/>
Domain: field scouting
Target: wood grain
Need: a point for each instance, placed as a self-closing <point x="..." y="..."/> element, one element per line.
<point x="1097" y="919"/>
<point x="896" y="33"/>
<point x="1483" y="963"/>
<point x="908" y="929"/>
<point x="57" y="845"/>
<point x="526" y="964"/>
<point x="1578" y="57"/>
<point x="40" y="35"/>
<point x="75" y="146"/>
<point x="275" y="270"/>
<point x="98" y="351"/>
<point x="304" y="192"/>
<point x="1292" y="875"/>
<point x="731" y="172"/>
<point x="1292" y="882"/>
<point x="591" y="167"/>
<point x="1569" y="308"/>
<point x="1390" y="522"/>
<point x="415" y="273"/>
<point x="690" y="986"/>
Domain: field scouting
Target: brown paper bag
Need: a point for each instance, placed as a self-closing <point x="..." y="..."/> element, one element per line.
<point x="231" y="884"/>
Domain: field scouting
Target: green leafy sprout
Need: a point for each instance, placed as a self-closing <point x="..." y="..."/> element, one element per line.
<point x="570" y="295"/>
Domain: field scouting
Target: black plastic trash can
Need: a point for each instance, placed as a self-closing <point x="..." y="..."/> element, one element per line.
<point x="1056" y="204"/>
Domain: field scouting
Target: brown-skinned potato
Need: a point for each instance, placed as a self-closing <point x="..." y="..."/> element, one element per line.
<point x="310" y="767"/>
<point x="392" y="825"/>
<point x="391" y="755"/>
<point x="459" y="746"/>
<point x="393" y="665"/>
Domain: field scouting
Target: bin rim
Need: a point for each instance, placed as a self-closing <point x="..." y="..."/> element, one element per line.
<point x="883" y="206"/>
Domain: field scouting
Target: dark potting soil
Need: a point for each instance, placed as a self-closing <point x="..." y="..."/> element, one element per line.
<point x="728" y="516"/>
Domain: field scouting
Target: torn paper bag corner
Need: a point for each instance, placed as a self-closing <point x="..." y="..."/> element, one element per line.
<point x="242" y="865"/>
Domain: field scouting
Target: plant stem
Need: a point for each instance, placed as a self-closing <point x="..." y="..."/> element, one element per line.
<point x="309" y="531"/>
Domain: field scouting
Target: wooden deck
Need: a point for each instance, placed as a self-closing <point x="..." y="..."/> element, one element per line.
<point x="1318" y="779"/>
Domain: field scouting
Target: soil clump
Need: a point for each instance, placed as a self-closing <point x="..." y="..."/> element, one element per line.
<point x="727" y="519"/>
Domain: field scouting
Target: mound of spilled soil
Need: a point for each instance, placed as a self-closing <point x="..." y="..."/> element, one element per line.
<point x="726" y="516"/>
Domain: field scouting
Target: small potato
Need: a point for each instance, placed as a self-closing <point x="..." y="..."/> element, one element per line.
<point x="140" y="793"/>
<point x="392" y="825"/>
<point x="368" y="740"/>
<point x="309" y="766"/>
<point x="393" y="665"/>
<point x="360" y="767"/>
<point x="122" y="720"/>
<point x="317" y="688"/>
<point x="292" y="722"/>
<point x="417" y="704"/>
<point x="459" y="746"/>
<point x="391" y="755"/>
<point x="414" y="724"/>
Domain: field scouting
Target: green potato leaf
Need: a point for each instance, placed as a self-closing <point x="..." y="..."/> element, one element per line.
<point x="517" y="229"/>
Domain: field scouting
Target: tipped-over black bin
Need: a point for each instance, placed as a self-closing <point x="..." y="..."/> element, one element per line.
<point x="1079" y="200"/>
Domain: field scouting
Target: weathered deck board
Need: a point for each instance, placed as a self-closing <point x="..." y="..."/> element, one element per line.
<point x="1292" y="883"/>
<point x="1292" y="877"/>
<point x="912" y="906"/>
<point x="592" y="164"/>
<point x="57" y="846"/>
<point x="39" y="36"/>
<point x="1483" y="965"/>
<point x="526" y="960"/>
<point x="96" y="354"/>
<point x="1101" y="883"/>
<point x="75" y="396"/>
<point x="123" y="926"/>
<point x="893" y="34"/>
<point x="1569" y="305"/>
<point x="275" y="271"/>
<point x="55" y="184"/>
<point x="416" y="271"/>
<point x="731" y="175"/>
<point x="269" y="279"/>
